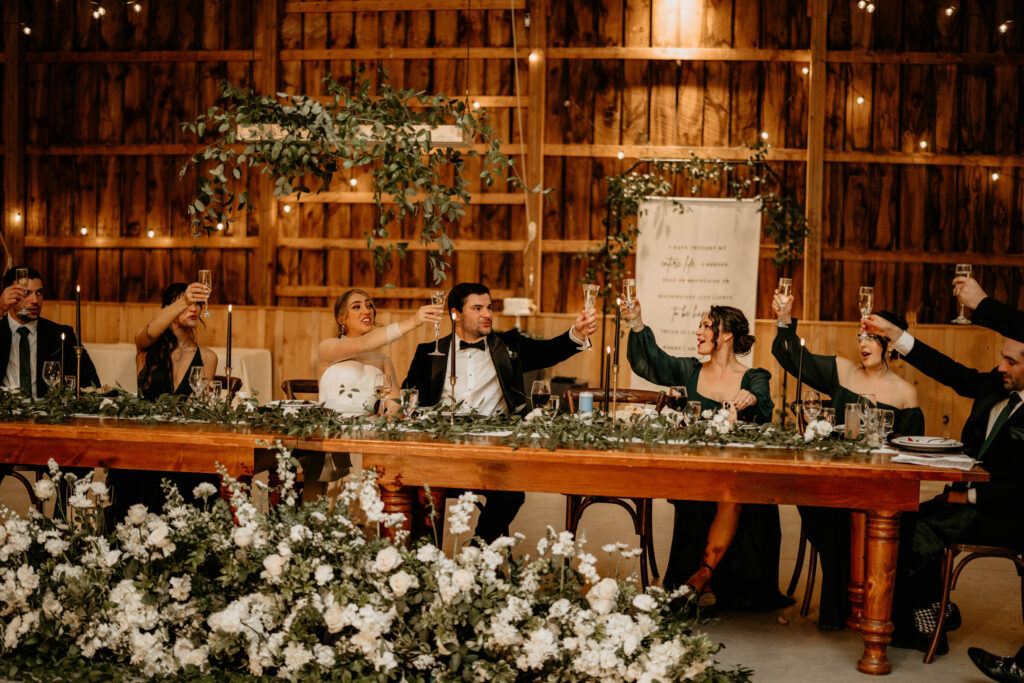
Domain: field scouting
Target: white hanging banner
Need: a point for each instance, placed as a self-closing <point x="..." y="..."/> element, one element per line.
<point x="692" y="253"/>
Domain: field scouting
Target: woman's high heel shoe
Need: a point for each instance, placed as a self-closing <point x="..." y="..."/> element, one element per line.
<point x="705" y="596"/>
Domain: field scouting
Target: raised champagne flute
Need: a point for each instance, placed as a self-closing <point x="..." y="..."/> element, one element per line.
<point x="629" y="296"/>
<point x="589" y="305"/>
<point x="51" y="373"/>
<point x="21" y="277"/>
<point x="437" y="298"/>
<point x="962" y="270"/>
<point x="540" y="393"/>
<point x="865" y="302"/>
<point x="785" y="288"/>
<point x="206" y="280"/>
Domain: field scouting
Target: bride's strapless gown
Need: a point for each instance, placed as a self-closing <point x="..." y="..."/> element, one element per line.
<point x="347" y="387"/>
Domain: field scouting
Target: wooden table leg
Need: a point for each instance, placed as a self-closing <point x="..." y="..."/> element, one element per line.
<point x="883" y="531"/>
<point x="858" y="523"/>
<point x="397" y="498"/>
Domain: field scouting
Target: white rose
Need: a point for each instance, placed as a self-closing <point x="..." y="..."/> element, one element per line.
<point x="559" y="608"/>
<point x="298" y="533"/>
<point x="242" y="536"/>
<point x="427" y="553"/>
<point x="387" y="559"/>
<point x="158" y="538"/>
<point x="601" y="606"/>
<point x="334" y="617"/>
<point x="274" y="564"/>
<point x="644" y="602"/>
<point x="323" y="574"/>
<point x="605" y="589"/>
<point x="462" y="579"/>
<point x="3" y="534"/>
<point x="138" y="514"/>
<point x="45" y="489"/>
<point x="401" y="582"/>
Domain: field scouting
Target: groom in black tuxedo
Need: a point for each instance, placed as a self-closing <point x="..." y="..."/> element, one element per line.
<point x="987" y="513"/>
<point x="489" y="371"/>
<point x="27" y="340"/>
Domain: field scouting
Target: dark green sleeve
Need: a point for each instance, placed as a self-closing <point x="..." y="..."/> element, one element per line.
<point x="648" y="360"/>
<point x="756" y="381"/>
<point x="818" y="372"/>
<point x="909" y="422"/>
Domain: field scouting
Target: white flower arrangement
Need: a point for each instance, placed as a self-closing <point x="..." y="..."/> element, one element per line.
<point x="817" y="429"/>
<point x="305" y="592"/>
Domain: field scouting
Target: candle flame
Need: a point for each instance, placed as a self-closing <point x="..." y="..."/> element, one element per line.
<point x="801" y="341"/>
<point x="453" y="316"/>
<point x="608" y="350"/>
<point x="618" y="301"/>
<point x="78" y="288"/>
<point x="229" y="308"/>
<point x="62" y="336"/>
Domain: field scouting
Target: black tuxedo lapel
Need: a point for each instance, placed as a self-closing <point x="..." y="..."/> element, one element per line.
<point x="502" y="360"/>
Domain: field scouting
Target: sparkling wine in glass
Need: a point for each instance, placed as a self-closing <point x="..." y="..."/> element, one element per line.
<point x="785" y="288"/>
<point x="589" y="305"/>
<point x="811" y="405"/>
<point x="206" y="280"/>
<point x="629" y="296"/>
<point x="197" y="380"/>
<point x="540" y="393"/>
<point x="21" y="277"/>
<point x="382" y="388"/>
<point x="964" y="270"/>
<point x="437" y="298"/>
<point x="51" y="373"/>
<point x="865" y="302"/>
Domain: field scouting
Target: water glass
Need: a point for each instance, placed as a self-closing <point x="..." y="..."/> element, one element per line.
<point x="828" y="414"/>
<point x="888" y="417"/>
<point x="70" y="382"/>
<point x="852" y="421"/>
<point x="873" y="427"/>
<point x="214" y="390"/>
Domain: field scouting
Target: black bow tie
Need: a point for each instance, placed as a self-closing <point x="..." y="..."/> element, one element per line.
<point x="472" y="345"/>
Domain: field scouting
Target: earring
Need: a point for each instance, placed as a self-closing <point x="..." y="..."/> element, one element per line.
<point x="341" y="329"/>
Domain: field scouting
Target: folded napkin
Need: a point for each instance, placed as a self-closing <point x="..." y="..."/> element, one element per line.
<point x="957" y="461"/>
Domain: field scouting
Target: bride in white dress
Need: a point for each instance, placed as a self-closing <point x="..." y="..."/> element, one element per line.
<point x="351" y="362"/>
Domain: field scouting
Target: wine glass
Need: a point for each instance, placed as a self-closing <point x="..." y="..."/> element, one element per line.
<point x="629" y="296"/>
<point x="964" y="270"/>
<point x="51" y="373"/>
<point x="382" y="388"/>
<point x="589" y="304"/>
<point x="811" y="401"/>
<point x="437" y="298"/>
<point x="206" y="280"/>
<point x="70" y="382"/>
<point x="693" y="411"/>
<point x="213" y="390"/>
<point x="197" y="380"/>
<point x="785" y="288"/>
<point x="865" y="301"/>
<point x="410" y="401"/>
<point x="21" y="277"/>
<point x="540" y="393"/>
<point x="677" y="398"/>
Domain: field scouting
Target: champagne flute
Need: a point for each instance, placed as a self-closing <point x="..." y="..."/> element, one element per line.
<point x="197" y="380"/>
<point x="785" y="288"/>
<point x="21" y="277"/>
<point x="811" y="405"/>
<point x="589" y="305"/>
<point x="629" y="296"/>
<point x="437" y="298"/>
<point x="540" y="393"/>
<point x="962" y="270"/>
<point x="865" y="301"/>
<point x="382" y="387"/>
<point x="51" y="373"/>
<point x="206" y="280"/>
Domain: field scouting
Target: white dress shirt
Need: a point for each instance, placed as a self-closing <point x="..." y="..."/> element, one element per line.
<point x="476" y="381"/>
<point x="12" y="378"/>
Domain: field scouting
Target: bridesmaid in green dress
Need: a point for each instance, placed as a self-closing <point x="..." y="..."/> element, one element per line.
<point x="737" y="544"/>
<point x="845" y="381"/>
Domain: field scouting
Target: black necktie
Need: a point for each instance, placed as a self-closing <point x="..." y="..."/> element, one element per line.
<point x="471" y="345"/>
<point x="24" y="362"/>
<point x="1004" y="415"/>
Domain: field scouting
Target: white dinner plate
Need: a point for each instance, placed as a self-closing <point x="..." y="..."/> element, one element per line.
<point x="926" y="444"/>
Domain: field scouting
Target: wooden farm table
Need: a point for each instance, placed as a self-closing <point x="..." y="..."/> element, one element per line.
<point x="868" y="482"/>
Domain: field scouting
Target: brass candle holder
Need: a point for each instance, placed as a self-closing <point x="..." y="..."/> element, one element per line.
<point x="78" y="370"/>
<point x="451" y="380"/>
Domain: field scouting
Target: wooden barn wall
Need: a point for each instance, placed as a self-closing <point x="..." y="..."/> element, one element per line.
<point x="102" y="101"/>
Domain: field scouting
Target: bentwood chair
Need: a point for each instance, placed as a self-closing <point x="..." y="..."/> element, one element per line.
<point x="803" y="545"/>
<point x="290" y="387"/>
<point x="640" y="509"/>
<point x="951" y="572"/>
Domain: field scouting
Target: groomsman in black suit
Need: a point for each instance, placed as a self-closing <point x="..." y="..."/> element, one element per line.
<point x="985" y="513"/>
<point x="27" y="340"/>
<point x="1009" y="322"/>
<point x="489" y="376"/>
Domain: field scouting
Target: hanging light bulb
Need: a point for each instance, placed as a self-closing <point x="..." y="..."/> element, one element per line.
<point x="764" y="135"/>
<point x="287" y="208"/>
<point x="923" y="144"/>
<point x="137" y="7"/>
<point x="995" y="177"/>
<point x="17" y="217"/>
<point x="476" y="105"/>
<point x="26" y="29"/>
<point x="220" y="226"/>
<point x="871" y="7"/>
<point x="621" y="155"/>
<point x="860" y="99"/>
<point x="862" y="4"/>
<point x="950" y="10"/>
<point x="1004" y="27"/>
<point x="805" y="71"/>
<point x="353" y="182"/>
<point x="83" y="230"/>
<point x="151" y="234"/>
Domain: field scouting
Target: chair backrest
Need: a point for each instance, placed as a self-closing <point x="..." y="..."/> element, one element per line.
<point x="233" y="387"/>
<point x="642" y="396"/>
<point x="290" y="387"/>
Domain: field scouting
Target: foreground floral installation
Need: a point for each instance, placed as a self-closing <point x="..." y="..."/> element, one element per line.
<point x="318" y="592"/>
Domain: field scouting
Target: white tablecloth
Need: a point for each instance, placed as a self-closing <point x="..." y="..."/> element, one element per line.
<point x="115" y="364"/>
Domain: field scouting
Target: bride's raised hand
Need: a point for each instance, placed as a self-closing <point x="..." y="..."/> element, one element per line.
<point x="428" y="314"/>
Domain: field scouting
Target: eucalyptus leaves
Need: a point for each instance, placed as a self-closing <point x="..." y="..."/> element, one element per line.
<point x="785" y="222"/>
<point x="384" y="131"/>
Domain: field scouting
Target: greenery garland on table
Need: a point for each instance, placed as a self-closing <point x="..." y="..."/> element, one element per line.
<point x="597" y="431"/>
<point x="785" y="219"/>
<point x="410" y="179"/>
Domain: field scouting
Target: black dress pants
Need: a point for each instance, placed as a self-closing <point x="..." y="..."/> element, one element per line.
<point x="498" y="512"/>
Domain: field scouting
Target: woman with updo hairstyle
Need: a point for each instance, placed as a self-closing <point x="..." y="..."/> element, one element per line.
<point x="846" y="381"/>
<point x="737" y="545"/>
